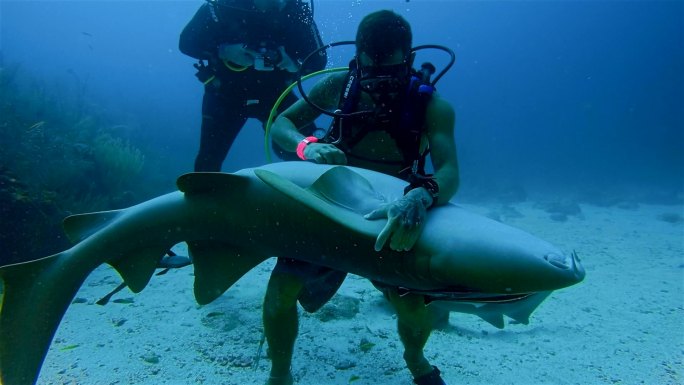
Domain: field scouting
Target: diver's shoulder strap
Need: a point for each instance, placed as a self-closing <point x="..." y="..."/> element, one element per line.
<point x="347" y="102"/>
<point x="411" y="125"/>
<point x="349" y="97"/>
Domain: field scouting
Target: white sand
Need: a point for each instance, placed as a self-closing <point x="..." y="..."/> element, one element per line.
<point x="622" y="325"/>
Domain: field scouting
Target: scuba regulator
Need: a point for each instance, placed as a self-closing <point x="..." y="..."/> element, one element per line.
<point x="425" y="73"/>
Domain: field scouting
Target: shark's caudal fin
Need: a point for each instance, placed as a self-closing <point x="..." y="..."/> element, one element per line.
<point x="35" y="297"/>
<point x="340" y="194"/>
<point x="36" y="294"/>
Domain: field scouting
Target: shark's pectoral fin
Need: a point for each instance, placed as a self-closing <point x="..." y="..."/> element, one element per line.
<point x="217" y="267"/>
<point x="522" y="312"/>
<point x="137" y="268"/>
<point x="493" y="318"/>
<point x="340" y="194"/>
<point x="519" y="309"/>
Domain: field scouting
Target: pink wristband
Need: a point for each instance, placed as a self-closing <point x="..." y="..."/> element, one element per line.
<point x="302" y="145"/>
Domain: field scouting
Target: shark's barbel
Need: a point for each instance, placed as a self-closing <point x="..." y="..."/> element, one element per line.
<point x="314" y="213"/>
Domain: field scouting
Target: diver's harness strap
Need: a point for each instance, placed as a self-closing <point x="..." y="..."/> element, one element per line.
<point x="406" y="131"/>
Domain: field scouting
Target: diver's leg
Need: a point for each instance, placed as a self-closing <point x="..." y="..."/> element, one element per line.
<point x="281" y="322"/>
<point x="221" y="123"/>
<point x="414" y="323"/>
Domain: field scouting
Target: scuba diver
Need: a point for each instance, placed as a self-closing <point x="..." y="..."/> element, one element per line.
<point x="387" y="118"/>
<point x="249" y="51"/>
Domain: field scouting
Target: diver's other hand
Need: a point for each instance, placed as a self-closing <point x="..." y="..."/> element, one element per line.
<point x="324" y="153"/>
<point x="405" y="220"/>
<point x="236" y="54"/>
<point x="287" y="63"/>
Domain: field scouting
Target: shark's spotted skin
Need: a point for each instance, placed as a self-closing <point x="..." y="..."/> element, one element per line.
<point x="232" y="222"/>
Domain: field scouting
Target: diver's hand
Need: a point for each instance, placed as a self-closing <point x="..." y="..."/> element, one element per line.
<point x="287" y="63"/>
<point x="237" y="54"/>
<point x="405" y="220"/>
<point x="324" y="153"/>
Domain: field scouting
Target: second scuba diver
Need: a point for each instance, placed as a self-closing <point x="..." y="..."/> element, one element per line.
<point x="249" y="52"/>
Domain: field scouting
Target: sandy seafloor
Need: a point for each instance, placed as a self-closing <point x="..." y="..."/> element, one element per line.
<point x="623" y="325"/>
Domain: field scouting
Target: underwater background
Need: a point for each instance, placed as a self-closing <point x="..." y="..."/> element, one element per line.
<point x="580" y="100"/>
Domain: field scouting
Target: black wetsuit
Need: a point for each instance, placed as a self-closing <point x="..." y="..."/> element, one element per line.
<point x="248" y="93"/>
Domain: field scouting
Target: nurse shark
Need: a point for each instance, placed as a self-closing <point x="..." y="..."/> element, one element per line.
<point x="232" y="222"/>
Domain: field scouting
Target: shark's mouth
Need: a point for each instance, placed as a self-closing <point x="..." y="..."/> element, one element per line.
<point x="463" y="296"/>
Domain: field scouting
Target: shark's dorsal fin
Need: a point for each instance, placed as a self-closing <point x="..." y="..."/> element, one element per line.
<point x="217" y="267"/>
<point x="333" y="196"/>
<point x="347" y="189"/>
<point x="204" y="182"/>
<point x="81" y="226"/>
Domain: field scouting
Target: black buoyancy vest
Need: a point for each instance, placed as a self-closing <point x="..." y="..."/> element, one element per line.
<point x="405" y="128"/>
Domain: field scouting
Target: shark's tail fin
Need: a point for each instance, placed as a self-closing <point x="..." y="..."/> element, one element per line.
<point x="35" y="296"/>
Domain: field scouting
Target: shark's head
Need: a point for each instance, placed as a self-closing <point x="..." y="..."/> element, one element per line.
<point x="482" y="255"/>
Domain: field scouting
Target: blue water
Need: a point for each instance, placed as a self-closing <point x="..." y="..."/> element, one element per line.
<point x="566" y="96"/>
<point x="579" y="100"/>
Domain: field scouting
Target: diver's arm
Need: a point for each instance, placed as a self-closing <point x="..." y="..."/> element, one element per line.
<point x="284" y="130"/>
<point x="197" y="38"/>
<point x="304" y="38"/>
<point x="312" y="41"/>
<point x="406" y="216"/>
<point x="441" y="120"/>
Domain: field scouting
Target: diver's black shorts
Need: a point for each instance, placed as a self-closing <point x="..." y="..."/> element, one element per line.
<point x="319" y="284"/>
<point x="304" y="270"/>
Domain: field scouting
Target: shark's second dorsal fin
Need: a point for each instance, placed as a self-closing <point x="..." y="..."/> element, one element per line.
<point x="203" y="182"/>
<point x="81" y="226"/>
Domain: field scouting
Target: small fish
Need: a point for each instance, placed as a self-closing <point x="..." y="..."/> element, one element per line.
<point x="366" y="346"/>
<point x="36" y="126"/>
<point x="69" y="347"/>
<point x="87" y="33"/>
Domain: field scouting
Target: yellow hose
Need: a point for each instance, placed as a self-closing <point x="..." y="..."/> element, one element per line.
<point x="274" y="110"/>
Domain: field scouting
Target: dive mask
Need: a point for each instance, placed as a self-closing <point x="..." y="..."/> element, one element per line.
<point x="385" y="84"/>
<point x="384" y="79"/>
